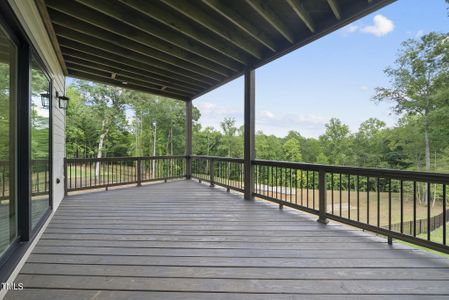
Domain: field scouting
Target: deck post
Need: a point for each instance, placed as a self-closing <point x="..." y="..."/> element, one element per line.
<point x="323" y="199"/>
<point x="188" y="133"/>
<point x="249" y="142"/>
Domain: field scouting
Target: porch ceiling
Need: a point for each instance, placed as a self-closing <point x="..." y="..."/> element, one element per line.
<point x="183" y="49"/>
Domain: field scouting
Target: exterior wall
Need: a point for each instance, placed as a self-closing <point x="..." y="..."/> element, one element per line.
<point x="28" y="15"/>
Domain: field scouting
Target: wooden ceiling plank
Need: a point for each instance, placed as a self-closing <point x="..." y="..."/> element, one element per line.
<point x="125" y="60"/>
<point x="129" y="75"/>
<point x="302" y="13"/>
<point x="70" y="22"/>
<point x="114" y="82"/>
<point x="335" y="8"/>
<point x="274" y="20"/>
<point x="242" y="23"/>
<point x="147" y="37"/>
<point x="191" y="10"/>
<point x="182" y="27"/>
<point x="142" y="23"/>
<point x="107" y="46"/>
<point x="122" y="78"/>
<point x="138" y="71"/>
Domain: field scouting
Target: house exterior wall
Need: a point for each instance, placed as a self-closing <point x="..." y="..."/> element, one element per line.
<point x="30" y="19"/>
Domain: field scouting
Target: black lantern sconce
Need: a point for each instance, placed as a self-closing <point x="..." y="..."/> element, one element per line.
<point x="63" y="101"/>
<point x="45" y="100"/>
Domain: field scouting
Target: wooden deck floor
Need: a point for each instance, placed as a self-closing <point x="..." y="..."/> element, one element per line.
<point x="184" y="240"/>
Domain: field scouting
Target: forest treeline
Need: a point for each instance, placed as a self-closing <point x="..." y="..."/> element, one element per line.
<point x="110" y="121"/>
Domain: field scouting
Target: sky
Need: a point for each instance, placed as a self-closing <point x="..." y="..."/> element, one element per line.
<point x="334" y="76"/>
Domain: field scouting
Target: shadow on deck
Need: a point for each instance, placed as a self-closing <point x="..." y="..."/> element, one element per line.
<point x="184" y="240"/>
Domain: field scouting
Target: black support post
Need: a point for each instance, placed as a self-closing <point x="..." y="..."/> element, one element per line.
<point x="188" y="132"/>
<point x="323" y="197"/>
<point x="249" y="147"/>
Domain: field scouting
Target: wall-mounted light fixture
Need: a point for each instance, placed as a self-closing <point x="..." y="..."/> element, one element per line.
<point x="63" y="101"/>
<point x="45" y="99"/>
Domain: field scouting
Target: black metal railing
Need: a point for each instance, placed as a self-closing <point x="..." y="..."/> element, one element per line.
<point x="4" y="179"/>
<point x="92" y="173"/>
<point x="405" y="205"/>
<point x="387" y="202"/>
<point x="222" y="171"/>
<point x="40" y="183"/>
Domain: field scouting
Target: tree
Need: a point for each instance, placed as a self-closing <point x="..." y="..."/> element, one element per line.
<point x="107" y="105"/>
<point x="420" y="71"/>
<point x="368" y="143"/>
<point x="336" y="142"/>
<point x="292" y="150"/>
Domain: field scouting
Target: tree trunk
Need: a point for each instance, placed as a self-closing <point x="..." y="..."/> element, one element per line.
<point x="427" y="148"/>
<point x="103" y="135"/>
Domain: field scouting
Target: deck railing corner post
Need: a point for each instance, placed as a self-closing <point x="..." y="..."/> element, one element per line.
<point x="323" y="199"/>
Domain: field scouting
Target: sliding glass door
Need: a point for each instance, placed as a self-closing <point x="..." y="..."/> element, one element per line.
<point x="8" y="67"/>
<point x="40" y="141"/>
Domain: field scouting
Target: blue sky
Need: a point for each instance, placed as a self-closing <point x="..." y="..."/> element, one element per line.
<point x="332" y="77"/>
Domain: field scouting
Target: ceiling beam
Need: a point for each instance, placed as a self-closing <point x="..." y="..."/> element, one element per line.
<point x="114" y="82"/>
<point x="335" y="8"/>
<point x="110" y="47"/>
<point x="125" y="60"/>
<point x="193" y="11"/>
<point x="123" y="78"/>
<point x="272" y="18"/>
<point x="181" y="26"/>
<point x="147" y="36"/>
<point x="302" y="13"/>
<point x="92" y="30"/>
<point x="242" y="23"/>
<point x="129" y="75"/>
<point x="136" y="70"/>
<point x="123" y="52"/>
<point x="143" y="23"/>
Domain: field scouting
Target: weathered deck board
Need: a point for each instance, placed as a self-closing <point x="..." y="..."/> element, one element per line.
<point x="184" y="240"/>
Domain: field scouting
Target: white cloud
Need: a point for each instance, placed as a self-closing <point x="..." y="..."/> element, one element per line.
<point x="364" y="88"/>
<point x="351" y="28"/>
<point x="267" y="114"/>
<point x="380" y="27"/>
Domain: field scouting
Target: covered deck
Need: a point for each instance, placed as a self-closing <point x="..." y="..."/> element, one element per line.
<point x="186" y="240"/>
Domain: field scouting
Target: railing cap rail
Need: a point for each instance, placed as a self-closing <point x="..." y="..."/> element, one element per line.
<point x="361" y="171"/>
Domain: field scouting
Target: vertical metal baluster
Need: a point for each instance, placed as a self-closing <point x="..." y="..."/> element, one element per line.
<point x="340" y="184"/>
<point x="349" y="196"/>
<point x="332" y="192"/>
<point x="76" y="176"/>
<point x="296" y="186"/>
<point x="367" y="199"/>
<point x="358" y="198"/>
<point x="291" y="183"/>
<point x="302" y="187"/>
<point x="444" y="214"/>
<point x="428" y="210"/>
<point x="402" y="205"/>
<point x="389" y="209"/>
<point x="414" y="208"/>
<point x="313" y="189"/>
<point x="307" y="187"/>
<point x="276" y="180"/>
<point x="378" y="201"/>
